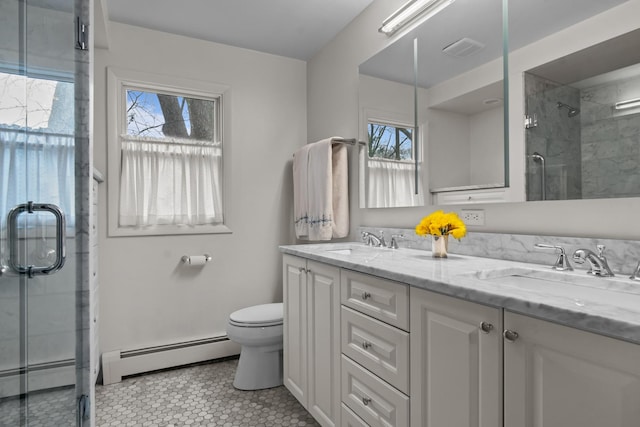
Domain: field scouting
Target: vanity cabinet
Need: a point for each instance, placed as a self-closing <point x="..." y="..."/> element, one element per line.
<point x="375" y="351"/>
<point x="456" y="362"/>
<point x="311" y="341"/>
<point x="560" y="376"/>
<point x="360" y="350"/>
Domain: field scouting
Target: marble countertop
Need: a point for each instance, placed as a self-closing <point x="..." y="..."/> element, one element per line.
<point x="607" y="306"/>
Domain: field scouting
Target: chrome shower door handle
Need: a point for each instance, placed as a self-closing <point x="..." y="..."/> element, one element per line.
<point x="12" y="233"/>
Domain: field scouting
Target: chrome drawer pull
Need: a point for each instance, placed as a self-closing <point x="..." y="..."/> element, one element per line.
<point x="366" y="401"/>
<point x="486" y="327"/>
<point x="366" y="344"/>
<point x="366" y="295"/>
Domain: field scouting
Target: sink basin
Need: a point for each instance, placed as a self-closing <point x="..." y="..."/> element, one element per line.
<point x="343" y="251"/>
<point x="359" y="252"/>
<point x="580" y="288"/>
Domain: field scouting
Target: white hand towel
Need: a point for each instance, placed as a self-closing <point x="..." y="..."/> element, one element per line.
<point x="340" y="190"/>
<point x="300" y="192"/>
<point x="320" y="189"/>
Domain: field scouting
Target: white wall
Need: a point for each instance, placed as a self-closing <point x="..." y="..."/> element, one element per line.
<point x="486" y="139"/>
<point x="448" y="152"/>
<point x="333" y="108"/>
<point x="147" y="297"/>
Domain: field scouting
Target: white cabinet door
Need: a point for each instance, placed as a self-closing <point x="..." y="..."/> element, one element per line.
<point x="560" y="376"/>
<point x="311" y="295"/>
<point x="456" y="366"/>
<point x="294" y="293"/>
<point x="323" y="348"/>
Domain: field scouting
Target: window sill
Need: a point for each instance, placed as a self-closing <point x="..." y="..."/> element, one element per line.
<point x="168" y="230"/>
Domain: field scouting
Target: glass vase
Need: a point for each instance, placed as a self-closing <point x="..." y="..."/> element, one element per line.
<point x="439" y="246"/>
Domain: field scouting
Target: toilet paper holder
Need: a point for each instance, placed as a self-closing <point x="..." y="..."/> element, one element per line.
<point x="196" y="259"/>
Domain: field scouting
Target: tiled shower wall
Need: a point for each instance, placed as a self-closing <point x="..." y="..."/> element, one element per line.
<point x="593" y="155"/>
<point x="610" y="141"/>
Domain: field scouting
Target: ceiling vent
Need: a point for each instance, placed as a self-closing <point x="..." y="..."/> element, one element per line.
<point x="463" y="47"/>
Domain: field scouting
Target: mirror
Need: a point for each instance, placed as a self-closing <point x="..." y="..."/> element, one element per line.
<point x="568" y="75"/>
<point x="391" y="162"/>
<point x="452" y="94"/>
<point x="583" y="139"/>
<point x="559" y="54"/>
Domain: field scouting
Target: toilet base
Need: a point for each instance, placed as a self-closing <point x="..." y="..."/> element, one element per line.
<point x="259" y="368"/>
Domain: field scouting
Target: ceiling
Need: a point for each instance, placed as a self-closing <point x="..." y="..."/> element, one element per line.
<point x="292" y="28"/>
<point x="528" y="22"/>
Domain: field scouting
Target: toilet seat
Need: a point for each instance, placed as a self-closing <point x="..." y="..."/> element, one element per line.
<point x="258" y="316"/>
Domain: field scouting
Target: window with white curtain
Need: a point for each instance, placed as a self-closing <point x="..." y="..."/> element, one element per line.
<point x="37" y="146"/>
<point x="167" y="156"/>
<point x="391" y="166"/>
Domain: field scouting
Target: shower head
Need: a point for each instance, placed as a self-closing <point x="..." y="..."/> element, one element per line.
<point x="573" y="111"/>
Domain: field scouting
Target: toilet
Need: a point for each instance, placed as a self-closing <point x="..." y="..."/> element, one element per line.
<point x="258" y="329"/>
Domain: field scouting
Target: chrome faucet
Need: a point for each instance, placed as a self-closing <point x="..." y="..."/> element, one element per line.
<point x="394" y="240"/>
<point x="372" y="240"/>
<point x="562" y="263"/>
<point x="598" y="263"/>
<point x="636" y="273"/>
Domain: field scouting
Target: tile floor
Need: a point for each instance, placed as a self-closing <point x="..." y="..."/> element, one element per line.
<point x="42" y="409"/>
<point x="201" y="395"/>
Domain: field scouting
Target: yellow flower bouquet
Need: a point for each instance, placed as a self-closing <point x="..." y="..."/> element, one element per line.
<point x="440" y="225"/>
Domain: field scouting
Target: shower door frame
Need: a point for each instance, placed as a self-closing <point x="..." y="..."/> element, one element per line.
<point x="80" y="64"/>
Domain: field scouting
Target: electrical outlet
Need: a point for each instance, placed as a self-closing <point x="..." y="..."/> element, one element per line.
<point x="473" y="216"/>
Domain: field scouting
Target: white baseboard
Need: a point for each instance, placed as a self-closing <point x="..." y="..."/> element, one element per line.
<point x="117" y="364"/>
<point x="45" y="376"/>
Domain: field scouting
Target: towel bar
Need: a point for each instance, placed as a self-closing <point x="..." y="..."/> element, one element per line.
<point x="350" y="141"/>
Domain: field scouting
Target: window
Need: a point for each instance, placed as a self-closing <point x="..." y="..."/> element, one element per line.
<point x="387" y="141"/>
<point x="165" y="155"/>
<point x="37" y="145"/>
<point x="390" y="166"/>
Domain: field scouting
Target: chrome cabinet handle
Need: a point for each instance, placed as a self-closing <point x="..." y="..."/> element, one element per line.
<point x="486" y="327"/>
<point x="366" y="295"/>
<point x="366" y="401"/>
<point x="510" y="336"/>
<point x="366" y="344"/>
<point x="12" y="232"/>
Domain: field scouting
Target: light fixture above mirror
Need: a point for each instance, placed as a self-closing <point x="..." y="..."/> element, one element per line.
<point x="631" y="103"/>
<point x="411" y="12"/>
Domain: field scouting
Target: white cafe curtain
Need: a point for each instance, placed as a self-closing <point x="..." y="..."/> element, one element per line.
<point x="392" y="184"/>
<point x="170" y="183"/>
<point x="37" y="167"/>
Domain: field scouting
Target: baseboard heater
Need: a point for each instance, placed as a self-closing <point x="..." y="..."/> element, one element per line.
<point x="117" y="364"/>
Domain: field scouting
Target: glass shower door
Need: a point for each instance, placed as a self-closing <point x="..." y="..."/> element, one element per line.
<point x="39" y="316"/>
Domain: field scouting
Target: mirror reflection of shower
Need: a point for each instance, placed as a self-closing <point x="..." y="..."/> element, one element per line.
<point x="572" y="111"/>
<point x="539" y="158"/>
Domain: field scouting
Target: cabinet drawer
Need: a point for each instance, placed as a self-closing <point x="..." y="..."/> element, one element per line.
<point x="372" y="399"/>
<point x="350" y="419"/>
<point x="382" y="349"/>
<point x="383" y="299"/>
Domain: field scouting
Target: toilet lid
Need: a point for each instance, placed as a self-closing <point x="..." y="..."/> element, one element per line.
<point x="258" y="314"/>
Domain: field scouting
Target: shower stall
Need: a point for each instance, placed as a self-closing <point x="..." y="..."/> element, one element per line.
<point x="580" y="143"/>
<point x="45" y="182"/>
<point x="553" y="166"/>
